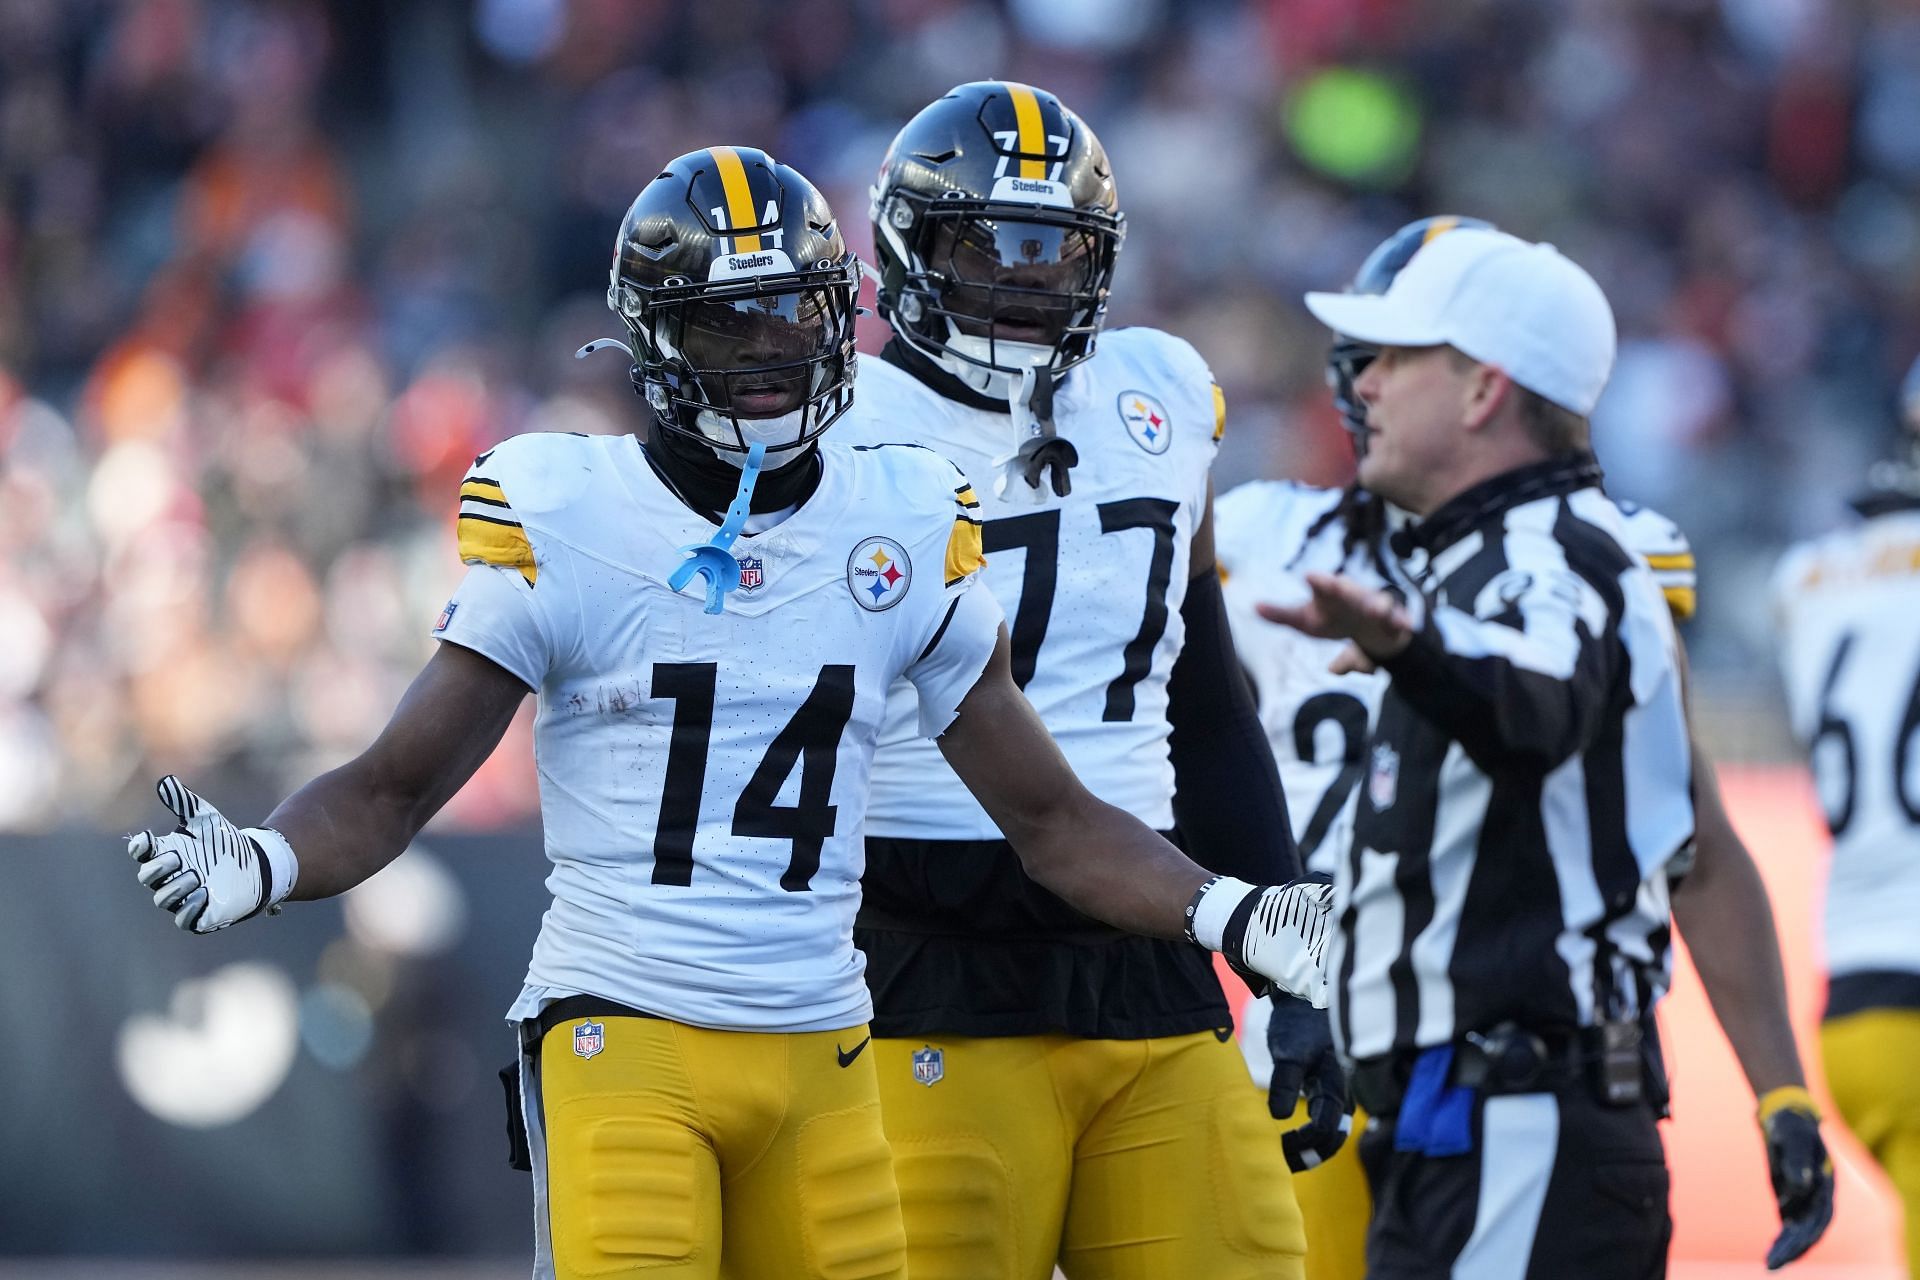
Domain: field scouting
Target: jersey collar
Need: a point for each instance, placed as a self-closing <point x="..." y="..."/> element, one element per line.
<point x="1460" y="515"/>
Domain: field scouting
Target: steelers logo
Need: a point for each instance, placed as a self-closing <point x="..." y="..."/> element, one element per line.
<point x="878" y="573"/>
<point x="1146" y="420"/>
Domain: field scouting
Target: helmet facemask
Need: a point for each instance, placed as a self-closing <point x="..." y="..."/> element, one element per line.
<point x="757" y="361"/>
<point x="991" y="290"/>
<point x="1346" y="361"/>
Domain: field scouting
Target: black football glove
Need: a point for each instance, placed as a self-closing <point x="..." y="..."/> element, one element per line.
<point x="1801" y="1170"/>
<point x="1300" y="1039"/>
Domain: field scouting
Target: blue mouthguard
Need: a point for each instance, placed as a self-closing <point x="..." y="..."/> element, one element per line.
<point x="713" y="559"/>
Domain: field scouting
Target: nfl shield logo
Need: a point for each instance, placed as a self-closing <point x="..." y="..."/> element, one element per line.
<point x="589" y="1038"/>
<point x="446" y="617"/>
<point x="752" y="572"/>
<point x="929" y="1066"/>
<point x="1383" y="781"/>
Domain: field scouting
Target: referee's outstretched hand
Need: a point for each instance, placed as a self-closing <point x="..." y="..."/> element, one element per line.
<point x="1341" y="609"/>
<point x="1801" y="1170"/>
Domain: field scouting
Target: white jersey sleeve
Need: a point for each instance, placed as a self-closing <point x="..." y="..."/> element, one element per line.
<point x="950" y="662"/>
<point x="1849" y="611"/>
<point x="494" y="611"/>
<point x="1659" y="541"/>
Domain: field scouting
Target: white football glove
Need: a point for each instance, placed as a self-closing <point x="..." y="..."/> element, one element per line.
<point x="207" y="872"/>
<point x="1278" y="933"/>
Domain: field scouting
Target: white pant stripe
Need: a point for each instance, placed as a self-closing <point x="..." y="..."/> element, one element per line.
<point x="1519" y="1138"/>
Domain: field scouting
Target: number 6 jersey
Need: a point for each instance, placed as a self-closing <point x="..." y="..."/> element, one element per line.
<point x="1849" y="612"/>
<point x="703" y="778"/>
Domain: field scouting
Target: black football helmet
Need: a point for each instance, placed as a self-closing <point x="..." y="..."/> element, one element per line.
<point x="1348" y="359"/>
<point x="738" y="290"/>
<point x="996" y="228"/>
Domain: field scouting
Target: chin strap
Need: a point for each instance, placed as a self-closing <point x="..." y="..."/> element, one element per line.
<point x="713" y="559"/>
<point x="1038" y="451"/>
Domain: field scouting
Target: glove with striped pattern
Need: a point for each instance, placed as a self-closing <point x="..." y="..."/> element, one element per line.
<point x="208" y="873"/>
<point x="1274" y="936"/>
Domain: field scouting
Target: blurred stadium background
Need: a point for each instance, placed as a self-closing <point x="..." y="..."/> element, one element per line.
<point x="273" y="271"/>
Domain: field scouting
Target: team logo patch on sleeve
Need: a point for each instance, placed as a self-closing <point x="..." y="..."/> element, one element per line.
<point x="878" y="573"/>
<point x="929" y="1066"/>
<point x="1146" y="420"/>
<point x="589" y="1038"/>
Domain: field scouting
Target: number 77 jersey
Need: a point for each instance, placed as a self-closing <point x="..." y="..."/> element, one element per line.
<point x="1093" y="581"/>
<point x="1848" y="605"/>
<point x="703" y="778"/>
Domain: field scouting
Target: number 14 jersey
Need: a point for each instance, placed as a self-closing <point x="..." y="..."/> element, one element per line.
<point x="703" y="778"/>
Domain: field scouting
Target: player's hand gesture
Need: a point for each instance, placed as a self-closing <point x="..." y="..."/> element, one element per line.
<point x="1801" y="1170"/>
<point x="1300" y="1041"/>
<point x="1375" y="621"/>
<point x="1279" y="933"/>
<point x="208" y="873"/>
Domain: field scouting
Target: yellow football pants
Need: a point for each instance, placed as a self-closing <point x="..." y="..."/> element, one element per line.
<point x="1869" y="1059"/>
<point x="1117" y="1159"/>
<point x="1335" y="1205"/>
<point x="676" y="1153"/>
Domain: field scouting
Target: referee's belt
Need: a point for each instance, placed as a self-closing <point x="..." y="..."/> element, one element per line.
<point x="1512" y="1059"/>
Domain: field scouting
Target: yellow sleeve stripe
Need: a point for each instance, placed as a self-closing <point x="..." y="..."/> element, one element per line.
<point x="485" y="540"/>
<point x="1682" y="601"/>
<point x="964" y="553"/>
<point x="1676" y="562"/>
<point x="966" y="497"/>
<point x="1219" y="412"/>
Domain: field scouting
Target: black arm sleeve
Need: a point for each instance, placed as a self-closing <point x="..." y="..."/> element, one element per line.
<point x="1227" y="800"/>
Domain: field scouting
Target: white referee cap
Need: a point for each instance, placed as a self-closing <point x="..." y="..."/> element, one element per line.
<point x="1524" y="308"/>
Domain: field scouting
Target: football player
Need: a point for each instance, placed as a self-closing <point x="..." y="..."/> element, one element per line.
<point x="1849" y="611"/>
<point x="1270" y="535"/>
<point x="712" y="619"/>
<point x="1056" y="1091"/>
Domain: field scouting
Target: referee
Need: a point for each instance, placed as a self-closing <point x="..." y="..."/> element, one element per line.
<point x="1502" y="914"/>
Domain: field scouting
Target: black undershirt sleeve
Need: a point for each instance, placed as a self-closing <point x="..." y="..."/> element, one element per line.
<point x="1227" y="799"/>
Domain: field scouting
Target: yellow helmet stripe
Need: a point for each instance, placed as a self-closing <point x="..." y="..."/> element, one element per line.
<point x="1439" y="228"/>
<point x="1032" y="139"/>
<point x="733" y="179"/>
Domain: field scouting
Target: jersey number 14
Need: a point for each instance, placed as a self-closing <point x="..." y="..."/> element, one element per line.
<point x="811" y="739"/>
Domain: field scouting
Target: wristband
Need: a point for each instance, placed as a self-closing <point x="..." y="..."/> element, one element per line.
<point x="1788" y="1097"/>
<point x="1212" y="906"/>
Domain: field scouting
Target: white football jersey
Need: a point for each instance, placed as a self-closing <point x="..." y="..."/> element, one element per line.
<point x="1092" y="582"/>
<point x="1849" y="611"/>
<point x="703" y="778"/>
<point x="1317" y="721"/>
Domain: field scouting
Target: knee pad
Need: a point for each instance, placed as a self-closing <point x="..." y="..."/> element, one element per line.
<point x="624" y="1192"/>
<point x="850" y="1203"/>
<point x="957" y="1197"/>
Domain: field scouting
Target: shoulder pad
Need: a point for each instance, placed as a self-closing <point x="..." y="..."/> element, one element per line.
<point x="518" y="477"/>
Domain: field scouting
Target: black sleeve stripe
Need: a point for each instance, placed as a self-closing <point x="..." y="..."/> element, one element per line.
<point x="941" y="633"/>
<point x="474" y="515"/>
<point x="973" y="520"/>
<point x="486" y="502"/>
<point x="480" y="480"/>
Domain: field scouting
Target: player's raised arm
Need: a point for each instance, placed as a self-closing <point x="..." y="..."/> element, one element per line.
<point x="1107" y="863"/>
<point x="346" y="824"/>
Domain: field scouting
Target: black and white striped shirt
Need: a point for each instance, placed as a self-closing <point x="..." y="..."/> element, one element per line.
<point x="1527" y="779"/>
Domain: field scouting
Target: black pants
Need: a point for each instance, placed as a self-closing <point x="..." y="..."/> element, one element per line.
<point x="1557" y="1187"/>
